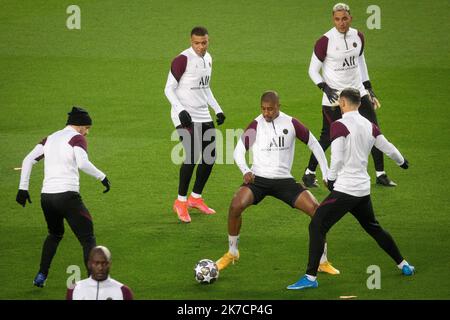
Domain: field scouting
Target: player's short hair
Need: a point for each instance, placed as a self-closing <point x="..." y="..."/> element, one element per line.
<point x="199" y="31"/>
<point x="352" y="95"/>
<point x="341" y="7"/>
<point x="101" y="249"/>
<point x="270" y="96"/>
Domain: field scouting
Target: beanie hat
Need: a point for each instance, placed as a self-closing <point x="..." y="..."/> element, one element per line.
<point x="79" y="117"/>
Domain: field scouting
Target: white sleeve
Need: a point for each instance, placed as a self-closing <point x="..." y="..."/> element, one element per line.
<point x="389" y="149"/>
<point x="314" y="69"/>
<point x="27" y="166"/>
<point x="337" y="158"/>
<point x="239" y="157"/>
<point x="317" y="150"/>
<point x="169" y="91"/>
<point x="85" y="165"/>
<point x="363" y="68"/>
<point x="212" y="101"/>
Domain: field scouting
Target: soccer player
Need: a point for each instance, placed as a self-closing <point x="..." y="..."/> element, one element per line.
<point x="339" y="53"/>
<point x="189" y="93"/>
<point x="64" y="152"/>
<point x="271" y="136"/>
<point x="99" y="286"/>
<point x="353" y="137"/>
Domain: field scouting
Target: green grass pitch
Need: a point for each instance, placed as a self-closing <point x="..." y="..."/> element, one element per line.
<point x="116" y="66"/>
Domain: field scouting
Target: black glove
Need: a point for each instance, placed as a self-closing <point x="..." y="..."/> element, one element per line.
<point x="405" y="164"/>
<point x="330" y="92"/>
<point x="368" y="87"/>
<point x="185" y="119"/>
<point x="220" y="118"/>
<point x="330" y="184"/>
<point x="107" y="185"/>
<point x="22" y="197"/>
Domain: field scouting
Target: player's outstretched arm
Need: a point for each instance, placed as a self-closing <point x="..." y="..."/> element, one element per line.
<point x="391" y="151"/>
<point x="317" y="150"/>
<point x="239" y="157"/>
<point x="27" y="165"/>
<point x="337" y="158"/>
<point x="85" y="165"/>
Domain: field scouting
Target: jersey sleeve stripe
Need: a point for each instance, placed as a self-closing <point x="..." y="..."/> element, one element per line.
<point x="338" y="129"/>
<point x="321" y="47"/>
<point x="79" y="141"/>
<point x="249" y="136"/>
<point x="178" y="67"/>
<point x="301" y="132"/>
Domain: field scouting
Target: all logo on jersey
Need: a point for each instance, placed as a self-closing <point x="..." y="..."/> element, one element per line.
<point x="355" y="44"/>
<point x="277" y="143"/>
<point x="349" y="62"/>
<point x="285" y="131"/>
<point x="204" y="81"/>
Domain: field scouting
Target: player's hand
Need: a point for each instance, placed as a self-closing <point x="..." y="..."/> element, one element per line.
<point x="332" y="94"/>
<point x="220" y="118"/>
<point x="330" y="184"/>
<point x="107" y="184"/>
<point x="185" y="119"/>
<point x="22" y="197"/>
<point x="249" y="177"/>
<point x="405" y="164"/>
<point x="373" y="98"/>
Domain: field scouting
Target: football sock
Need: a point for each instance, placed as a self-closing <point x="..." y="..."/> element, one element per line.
<point x="307" y="171"/>
<point x="310" y="278"/>
<point x="324" y="258"/>
<point x="233" y="244"/>
<point x="182" y="198"/>
<point x="403" y="263"/>
<point x="380" y="173"/>
<point x="196" y="195"/>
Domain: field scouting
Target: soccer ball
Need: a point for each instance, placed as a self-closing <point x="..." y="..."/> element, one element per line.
<point x="206" y="271"/>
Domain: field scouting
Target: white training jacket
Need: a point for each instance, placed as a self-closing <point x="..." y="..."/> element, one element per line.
<point x="353" y="137"/>
<point x="273" y="145"/>
<point x="64" y="152"/>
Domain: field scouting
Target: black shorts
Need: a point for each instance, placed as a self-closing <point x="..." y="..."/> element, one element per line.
<point x="287" y="190"/>
<point x="69" y="206"/>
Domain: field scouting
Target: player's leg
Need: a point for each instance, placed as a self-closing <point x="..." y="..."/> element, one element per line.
<point x="55" y="226"/>
<point x="307" y="203"/>
<point x="204" y="168"/>
<point x="330" y="211"/>
<point x="365" y="215"/>
<point x="186" y="170"/>
<point x="329" y="115"/>
<point x="242" y="199"/>
<point x="367" y="111"/>
<point x="80" y="221"/>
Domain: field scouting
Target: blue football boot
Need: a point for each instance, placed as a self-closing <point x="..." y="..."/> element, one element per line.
<point x="303" y="283"/>
<point x="39" y="280"/>
<point x="408" y="270"/>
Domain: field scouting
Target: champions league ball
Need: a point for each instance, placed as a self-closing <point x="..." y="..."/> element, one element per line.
<point x="206" y="271"/>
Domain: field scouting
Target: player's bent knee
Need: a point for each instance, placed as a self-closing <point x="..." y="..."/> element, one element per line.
<point x="236" y="208"/>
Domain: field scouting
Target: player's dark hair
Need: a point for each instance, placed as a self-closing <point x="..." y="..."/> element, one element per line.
<point x="199" y="31"/>
<point x="352" y="95"/>
<point x="270" y="96"/>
